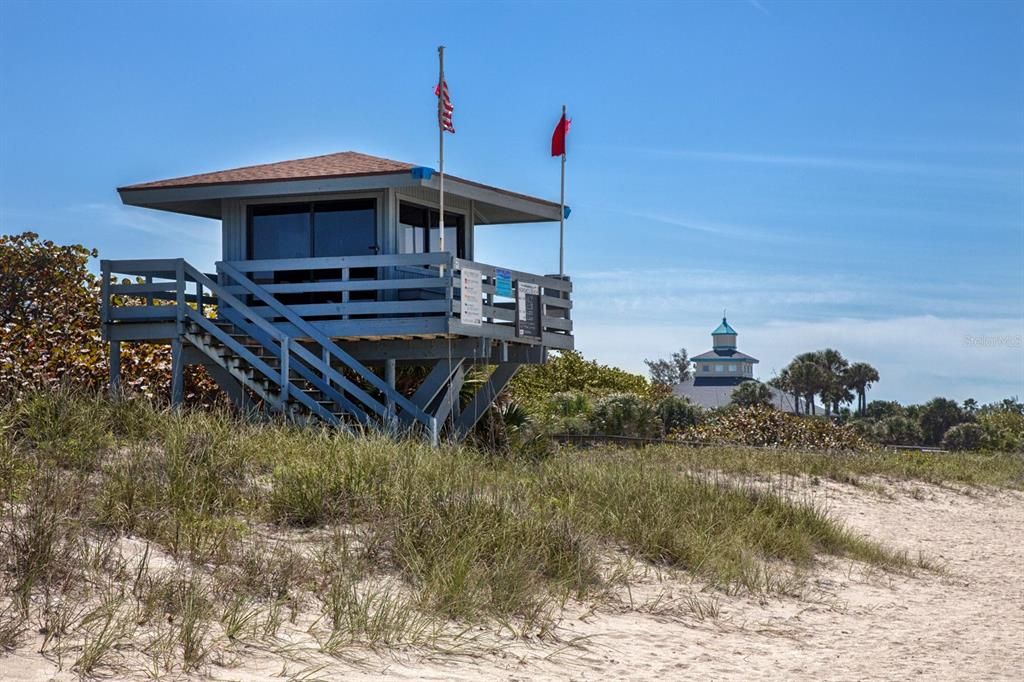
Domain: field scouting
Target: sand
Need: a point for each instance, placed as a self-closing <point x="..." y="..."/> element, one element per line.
<point x="847" y="623"/>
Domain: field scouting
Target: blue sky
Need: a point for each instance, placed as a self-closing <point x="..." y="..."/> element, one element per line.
<point x="833" y="174"/>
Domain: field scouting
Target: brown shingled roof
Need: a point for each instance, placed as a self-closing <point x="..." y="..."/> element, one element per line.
<point x="314" y="167"/>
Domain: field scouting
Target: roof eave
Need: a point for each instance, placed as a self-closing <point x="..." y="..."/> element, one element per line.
<point x="512" y="206"/>
<point x="494" y="205"/>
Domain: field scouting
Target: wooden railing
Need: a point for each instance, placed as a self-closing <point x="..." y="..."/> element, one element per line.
<point x="358" y="296"/>
<point x="499" y="312"/>
<point x="173" y="293"/>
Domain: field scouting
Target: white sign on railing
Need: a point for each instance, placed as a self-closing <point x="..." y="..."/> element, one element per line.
<point x="472" y="297"/>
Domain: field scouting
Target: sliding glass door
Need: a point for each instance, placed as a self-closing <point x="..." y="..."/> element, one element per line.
<point x="313" y="229"/>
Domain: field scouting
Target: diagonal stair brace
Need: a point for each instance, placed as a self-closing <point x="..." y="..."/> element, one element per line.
<point x="280" y="375"/>
<point x="313" y="376"/>
<point x="256" y="364"/>
<point x="409" y="410"/>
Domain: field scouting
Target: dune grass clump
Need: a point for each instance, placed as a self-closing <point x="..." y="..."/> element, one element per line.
<point x="726" y="535"/>
<point x="462" y="531"/>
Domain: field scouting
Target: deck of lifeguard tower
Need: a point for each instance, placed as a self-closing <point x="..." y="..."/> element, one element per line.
<point x="317" y="329"/>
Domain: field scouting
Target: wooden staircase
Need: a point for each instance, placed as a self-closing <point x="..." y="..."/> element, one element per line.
<point x="266" y="386"/>
<point x="255" y="346"/>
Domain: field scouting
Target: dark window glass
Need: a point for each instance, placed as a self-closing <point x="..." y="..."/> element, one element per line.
<point x="279" y="232"/>
<point x="302" y="230"/>
<point x="345" y="228"/>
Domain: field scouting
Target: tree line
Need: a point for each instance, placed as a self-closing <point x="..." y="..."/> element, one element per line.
<point x="828" y="375"/>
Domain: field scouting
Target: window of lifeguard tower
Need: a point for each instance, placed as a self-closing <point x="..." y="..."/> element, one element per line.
<point x="313" y="229"/>
<point x="310" y="230"/>
<point x="416" y="222"/>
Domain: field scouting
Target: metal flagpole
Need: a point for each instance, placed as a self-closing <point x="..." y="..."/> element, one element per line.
<point x="440" y="129"/>
<point x="561" y="212"/>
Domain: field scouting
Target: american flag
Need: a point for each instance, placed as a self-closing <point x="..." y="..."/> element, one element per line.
<point x="444" y="107"/>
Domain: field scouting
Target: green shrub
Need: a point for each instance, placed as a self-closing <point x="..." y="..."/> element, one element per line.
<point x="865" y="428"/>
<point x="1004" y="429"/>
<point x="937" y="416"/>
<point x="534" y="385"/>
<point x="963" y="437"/>
<point x="625" y="414"/>
<point x="898" y="430"/>
<point x="751" y="394"/>
<point x="880" y="409"/>
<point x="568" y="412"/>
<point x="678" y="413"/>
<point x="50" y="313"/>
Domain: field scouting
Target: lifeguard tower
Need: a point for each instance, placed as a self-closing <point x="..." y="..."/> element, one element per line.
<point x="331" y="276"/>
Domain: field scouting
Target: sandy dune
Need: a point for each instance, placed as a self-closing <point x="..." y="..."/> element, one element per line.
<point x="848" y="622"/>
<point x="851" y="624"/>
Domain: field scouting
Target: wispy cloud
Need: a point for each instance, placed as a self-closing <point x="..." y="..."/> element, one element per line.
<point x="165" y="225"/>
<point x="702" y="226"/>
<point x="629" y="296"/>
<point x="759" y="7"/>
<point x="844" y="163"/>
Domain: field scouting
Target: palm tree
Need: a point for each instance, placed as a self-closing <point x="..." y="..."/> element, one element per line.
<point x="833" y="365"/>
<point x="807" y="379"/>
<point x="784" y="382"/>
<point x="859" y="377"/>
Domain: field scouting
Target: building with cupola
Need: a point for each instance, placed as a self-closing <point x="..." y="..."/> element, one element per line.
<point x="723" y="365"/>
<point x="718" y="372"/>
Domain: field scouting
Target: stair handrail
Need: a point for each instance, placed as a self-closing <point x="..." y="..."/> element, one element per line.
<point x="308" y="369"/>
<point x="233" y="302"/>
<point x="252" y="317"/>
<point x="326" y="343"/>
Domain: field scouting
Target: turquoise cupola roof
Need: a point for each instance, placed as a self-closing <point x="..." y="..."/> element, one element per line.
<point x="723" y="328"/>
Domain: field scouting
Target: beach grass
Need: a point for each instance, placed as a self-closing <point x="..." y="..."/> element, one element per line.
<point x="977" y="469"/>
<point x="134" y="531"/>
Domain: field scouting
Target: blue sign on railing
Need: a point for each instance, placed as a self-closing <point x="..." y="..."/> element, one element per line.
<point x="502" y="282"/>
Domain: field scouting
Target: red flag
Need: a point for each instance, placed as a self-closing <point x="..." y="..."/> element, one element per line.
<point x="444" y="107"/>
<point x="558" y="137"/>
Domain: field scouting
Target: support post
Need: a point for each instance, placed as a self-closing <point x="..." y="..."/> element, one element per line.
<point x="105" y="297"/>
<point x="389" y="372"/>
<point x="180" y="298"/>
<point x="115" y="369"/>
<point x="389" y="379"/>
<point x="286" y="351"/>
<point x="177" y="372"/>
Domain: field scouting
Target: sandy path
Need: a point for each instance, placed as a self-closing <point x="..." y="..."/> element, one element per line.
<point x="850" y="623"/>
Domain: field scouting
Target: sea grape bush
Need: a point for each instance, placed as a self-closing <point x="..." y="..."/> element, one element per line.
<point x="678" y="413"/>
<point x="765" y="426"/>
